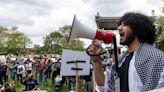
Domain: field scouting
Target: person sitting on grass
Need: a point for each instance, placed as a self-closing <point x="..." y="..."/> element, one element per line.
<point x="30" y="83"/>
<point x="8" y="88"/>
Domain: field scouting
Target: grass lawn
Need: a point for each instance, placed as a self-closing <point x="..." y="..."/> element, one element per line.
<point x="49" y="87"/>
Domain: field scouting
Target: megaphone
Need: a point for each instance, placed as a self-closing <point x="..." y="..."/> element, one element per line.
<point x="79" y="30"/>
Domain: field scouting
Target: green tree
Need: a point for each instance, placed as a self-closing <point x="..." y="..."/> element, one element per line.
<point x="3" y="39"/>
<point x="58" y="40"/>
<point x="160" y="32"/>
<point x="65" y="30"/>
<point x="53" y="42"/>
<point x="16" y="40"/>
<point x="11" y="40"/>
<point x="73" y="45"/>
<point x="77" y="45"/>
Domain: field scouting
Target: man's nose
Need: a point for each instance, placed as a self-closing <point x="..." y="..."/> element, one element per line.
<point x="119" y="27"/>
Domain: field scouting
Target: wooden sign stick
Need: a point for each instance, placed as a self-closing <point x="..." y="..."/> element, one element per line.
<point x="76" y="77"/>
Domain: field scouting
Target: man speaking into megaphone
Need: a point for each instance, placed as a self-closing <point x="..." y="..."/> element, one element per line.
<point x="141" y="67"/>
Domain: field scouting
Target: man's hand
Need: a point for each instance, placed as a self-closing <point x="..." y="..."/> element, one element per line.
<point x="94" y="50"/>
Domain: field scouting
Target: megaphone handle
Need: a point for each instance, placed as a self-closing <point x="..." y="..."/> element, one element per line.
<point x="97" y="43"/>
<point x="97" y="54"/>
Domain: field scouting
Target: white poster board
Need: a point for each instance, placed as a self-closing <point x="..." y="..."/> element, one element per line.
<point x="70" y="55"/>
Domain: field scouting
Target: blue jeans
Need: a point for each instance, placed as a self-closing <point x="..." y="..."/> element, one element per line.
<point x="41" y="78"/>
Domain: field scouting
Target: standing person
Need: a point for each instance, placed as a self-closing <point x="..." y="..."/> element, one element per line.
<point x="71" y="83"/>
<point x="140" y="67"/>
<point x="42" y="68"/>
<point x="13" y="71"/>
<point x="36" y="62"/>
<point x="48" y="68"/>
<point x="4" y="71"/>
<point x="28" y="66"/>
<point x="21" y="72"/>
<point x="55" y="70"/>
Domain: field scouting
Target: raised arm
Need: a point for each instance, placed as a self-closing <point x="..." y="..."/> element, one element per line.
<point x="96" y="49"/>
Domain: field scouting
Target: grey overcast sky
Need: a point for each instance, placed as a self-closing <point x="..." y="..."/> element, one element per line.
<point x="37" y="18"/>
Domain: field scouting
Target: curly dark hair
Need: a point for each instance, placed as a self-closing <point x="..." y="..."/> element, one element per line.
<point x="142" y="26"/>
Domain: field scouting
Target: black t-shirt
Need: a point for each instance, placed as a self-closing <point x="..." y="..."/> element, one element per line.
<point x="30" y="84"/>
<point x="124" y="71"/>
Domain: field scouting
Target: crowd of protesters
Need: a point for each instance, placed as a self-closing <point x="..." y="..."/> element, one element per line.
<point x="24" y="69"/>
<point x="33" y="72"/>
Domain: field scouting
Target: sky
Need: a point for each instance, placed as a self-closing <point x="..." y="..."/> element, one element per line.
<point x="37" y="18"/>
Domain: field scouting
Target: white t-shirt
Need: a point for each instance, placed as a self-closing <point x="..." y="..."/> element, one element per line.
<point x="21" y="70"/>
<point x="53" y="60"/>
<point x="28" y="66"/>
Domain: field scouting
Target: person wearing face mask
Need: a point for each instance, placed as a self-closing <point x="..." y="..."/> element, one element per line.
<point x="30" y="83"/>
<point x="141" y="67"/>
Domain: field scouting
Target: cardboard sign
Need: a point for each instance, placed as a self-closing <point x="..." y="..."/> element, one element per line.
<point x="69" y="60"/>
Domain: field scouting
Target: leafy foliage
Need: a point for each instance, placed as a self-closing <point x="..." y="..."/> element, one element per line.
<point x="160" y="33"/>
<point x="52" y="42"/>
<point x="58" y="40"/>
<point x="11" y="40"/>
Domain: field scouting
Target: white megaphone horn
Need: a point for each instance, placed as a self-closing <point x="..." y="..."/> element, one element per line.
<point x="79" y="30"/>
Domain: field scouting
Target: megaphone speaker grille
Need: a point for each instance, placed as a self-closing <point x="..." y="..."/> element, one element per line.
<point x="79" y="30"/>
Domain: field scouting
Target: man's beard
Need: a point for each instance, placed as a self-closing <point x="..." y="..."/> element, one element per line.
<point x="129" y="38"/>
